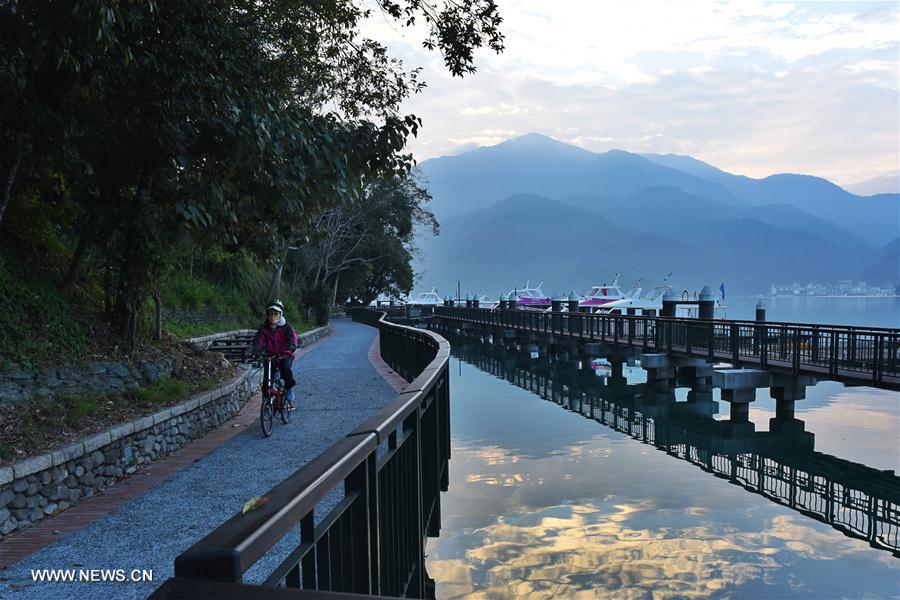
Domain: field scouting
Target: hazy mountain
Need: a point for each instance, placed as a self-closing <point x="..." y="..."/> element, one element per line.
<point x="541" y="165"/>
<point x="885" y="266"/>
<point x="531" y="237"/>
<point x="675" y="213"/>
<point x="886" y="184"/>
<point x="534" y="207"/>
<point x="875" y="218"/>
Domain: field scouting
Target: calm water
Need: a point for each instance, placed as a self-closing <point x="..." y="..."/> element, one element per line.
<point x="870" y="312"/>
<point x="545" y="501"/>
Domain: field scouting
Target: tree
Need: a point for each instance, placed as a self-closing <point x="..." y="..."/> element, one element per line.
<point x="233" y="122"/>
<point x="366" y="249"/>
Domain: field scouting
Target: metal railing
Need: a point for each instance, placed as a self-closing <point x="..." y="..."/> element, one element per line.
<point x="857" y="355"/>
<point x="857" y="500"/>
<point x="392" y="469"/>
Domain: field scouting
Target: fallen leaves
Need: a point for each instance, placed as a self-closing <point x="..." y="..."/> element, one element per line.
<point x="254" y="503"/>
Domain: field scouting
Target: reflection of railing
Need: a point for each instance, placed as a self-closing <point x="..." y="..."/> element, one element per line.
<point x="862" y="355"/>
<point x="857" y="500"/>
<point x="372" y="541"/>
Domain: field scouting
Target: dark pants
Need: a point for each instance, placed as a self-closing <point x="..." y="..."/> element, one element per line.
<point x="287" y="375"/>
<point x="284" y="367"/>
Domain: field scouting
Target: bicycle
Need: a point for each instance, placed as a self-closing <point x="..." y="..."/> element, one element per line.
<point x="273" y="395"/>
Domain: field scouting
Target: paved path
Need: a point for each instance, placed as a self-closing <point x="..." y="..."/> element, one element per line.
<point x="338" y="387"/>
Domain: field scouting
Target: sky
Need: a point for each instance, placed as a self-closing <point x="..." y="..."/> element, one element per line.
<point x="751" y="87"/>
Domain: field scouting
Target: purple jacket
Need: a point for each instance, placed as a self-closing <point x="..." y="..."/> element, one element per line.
<point x="282" y="338"/>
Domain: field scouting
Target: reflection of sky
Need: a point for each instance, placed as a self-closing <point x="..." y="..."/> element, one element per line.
<point x="544" y="502"/>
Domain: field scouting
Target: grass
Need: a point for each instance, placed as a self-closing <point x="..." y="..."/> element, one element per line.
<point x="35" y="426"/>
<point x="35" y="317"/>
<point x="184" y="330"/>
<point x="165" y="390"/>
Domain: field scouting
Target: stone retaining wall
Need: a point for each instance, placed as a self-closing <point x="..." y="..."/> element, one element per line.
<point x="98" y="377"/>
<point x="39" y="486"/>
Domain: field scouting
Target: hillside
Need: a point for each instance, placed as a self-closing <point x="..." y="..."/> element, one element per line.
<point x="532" y="237"/>
<point x="541" y="165"/>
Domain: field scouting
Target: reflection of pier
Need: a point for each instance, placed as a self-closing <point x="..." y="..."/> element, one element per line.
<point x="779" y="464"/>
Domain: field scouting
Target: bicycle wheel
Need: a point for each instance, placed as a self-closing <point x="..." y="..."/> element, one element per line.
<point x="287" y="407"/>
<point x="266" y="416"/>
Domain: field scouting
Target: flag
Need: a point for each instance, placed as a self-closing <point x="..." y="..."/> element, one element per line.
<point x="722" y="289"/>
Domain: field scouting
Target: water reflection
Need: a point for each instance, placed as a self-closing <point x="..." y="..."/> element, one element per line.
<point x="561" y="507"/>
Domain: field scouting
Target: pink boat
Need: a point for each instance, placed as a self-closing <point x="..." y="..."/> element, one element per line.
<point x="599" y="295"/>
<point x="531" y="297"/>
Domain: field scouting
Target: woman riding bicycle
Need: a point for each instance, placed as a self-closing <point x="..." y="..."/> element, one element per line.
<point x="277" y="337"/>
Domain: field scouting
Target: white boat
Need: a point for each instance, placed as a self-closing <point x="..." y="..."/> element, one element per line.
<point x="601" y="295"/>
<point x="531" y="297"/>
<point x="632" y="303"/>
<point x="427" y="299"/>
<point x="385" y="300"/>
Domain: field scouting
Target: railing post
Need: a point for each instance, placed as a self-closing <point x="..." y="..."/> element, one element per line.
<point x="795" y="360"/>
<point x="412" y="423"/>
<point x="877" y="358"/>
<point x="735" y="342"/>
<point x="365" y="515"/>
<point x="308" y="563"/>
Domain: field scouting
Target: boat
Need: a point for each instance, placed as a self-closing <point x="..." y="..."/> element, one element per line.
<point x="600" y="295"/>
<point x="530" y="297"/>
<point x="385" y="300"/>
<point x="632" y="303"/>
<point x="427" y="299"/>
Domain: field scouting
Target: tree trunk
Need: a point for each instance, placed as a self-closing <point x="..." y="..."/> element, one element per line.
<point x="157" y="302"/>
<point x="75" y="264"/>
<point x="12" y="163"/>
<point x="337" y="280"/>
<point x="107" y="281"/>
<point x="275" y="283"/>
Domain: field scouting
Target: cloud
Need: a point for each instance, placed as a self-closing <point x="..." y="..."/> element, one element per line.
<point x="752" y="87"/>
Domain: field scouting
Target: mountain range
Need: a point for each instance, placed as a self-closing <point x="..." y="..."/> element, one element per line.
<point x="535" y="207"/>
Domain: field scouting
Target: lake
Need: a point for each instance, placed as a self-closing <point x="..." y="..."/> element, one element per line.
<point x="545" y="501"/>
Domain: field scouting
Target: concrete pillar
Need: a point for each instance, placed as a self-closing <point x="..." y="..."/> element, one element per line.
<point x="669" y="302"/>
<point x="660" y="372"/>
<point x="511" y="301"/>
<point x="707" y="304"/>
<point x="468" y="301"/>
<point x="616" y="368"/>
<point x="476" y="303"/>
<point x="739" y="389"/>
<point x="700" y="402"/>
<point x="556" y="303"/>
<point x="574" y="320"/>
<point x="786" y="389"/>
<point x="503" y="302"/>
<point x="556" y="319"/>
<point x="760" y="311"/>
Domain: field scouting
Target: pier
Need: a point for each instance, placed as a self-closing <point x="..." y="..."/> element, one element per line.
<point x="783" y="356"/>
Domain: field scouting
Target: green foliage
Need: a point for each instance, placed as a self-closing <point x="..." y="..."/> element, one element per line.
<point x="225" y="126"/>
<point x="35" y="317"/>
<point x="75" y="408"/>
<point x="165" y="390"/>
<point x="393" y="208"/>
<point x="317" y="301"/>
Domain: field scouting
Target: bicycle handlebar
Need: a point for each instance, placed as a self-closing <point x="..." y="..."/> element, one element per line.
<point x="278" y="355"/>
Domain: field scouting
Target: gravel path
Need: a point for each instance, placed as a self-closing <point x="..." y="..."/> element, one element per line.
<point x="337" y="388"/>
